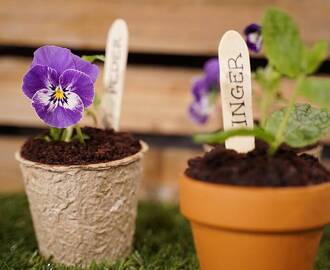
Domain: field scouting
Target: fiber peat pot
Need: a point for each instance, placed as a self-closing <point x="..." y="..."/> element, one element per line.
<point x="255" y="228"/>
<point x="83" y="213"/>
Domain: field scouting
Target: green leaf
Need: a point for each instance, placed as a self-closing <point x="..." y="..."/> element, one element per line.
<point x="282" y="44"/>
<point x="316" y="91"/>
<point x="268" y="78"/>
<point x="306" y="125"/>
<point x="222" y="136"/>
<point x="47" y="138"/>
<point x="313" y="57"/>
<point x="84" y="136"/>
<point x="92" y="58"/>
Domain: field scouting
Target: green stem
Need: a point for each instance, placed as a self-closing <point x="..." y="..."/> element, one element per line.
<point x="280" y="132"/>
<point x="67" y="134"/>
<point x="55" y="133"/>
<point x="92" y="114"/>
<point x="272" y="148"/>
<point x="269" y="80"/>
<point x="80" y="135"/>
<point x="265" y="102"/>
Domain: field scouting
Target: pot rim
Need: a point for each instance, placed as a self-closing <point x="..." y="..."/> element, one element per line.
<point x="94" y="166"/>
<point x="255" y="208"/>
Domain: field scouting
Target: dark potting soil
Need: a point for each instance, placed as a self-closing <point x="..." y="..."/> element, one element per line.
<point x="262" y="144"/>
<point x="102" y="146"/>
<point x="256" y="168"/>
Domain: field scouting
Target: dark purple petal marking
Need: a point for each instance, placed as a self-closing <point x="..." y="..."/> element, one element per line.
<point x="57" y="113"/>
<point x="84" y="66"/>
<point x="39" y="77"/>
<point x="55" y="57"/>
<point x="253" y="37"/>
<point x="79" y="83"/>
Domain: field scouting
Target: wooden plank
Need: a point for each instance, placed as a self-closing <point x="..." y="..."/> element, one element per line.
<point x="155" y="99"/>
<point x="162" y="167"/>
<point x="172" y="26"/>
<point x="10" y="175"/>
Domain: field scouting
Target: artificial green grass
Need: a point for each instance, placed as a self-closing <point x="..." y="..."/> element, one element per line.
<point x="162" y="242"/>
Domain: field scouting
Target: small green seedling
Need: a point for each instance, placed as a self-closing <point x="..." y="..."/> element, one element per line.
<point x="296" y="125"/>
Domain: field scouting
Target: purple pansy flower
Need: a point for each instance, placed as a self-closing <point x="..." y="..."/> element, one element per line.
<point x="253" y="37"/>
<point x="202" y="90"/>
<point x="211" y="70"/>
<point x="60" y="85"/>
<point x="200" y="109"/>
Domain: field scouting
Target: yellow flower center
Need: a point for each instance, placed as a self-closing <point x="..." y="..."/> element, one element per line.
<point x="59" y="94"/>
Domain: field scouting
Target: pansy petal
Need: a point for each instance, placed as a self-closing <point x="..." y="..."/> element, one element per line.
<point x="254" y="42"/>
<point x="253" y="37"/>
<point x="252" y="28"/>
<point x="196" y="114"/>
<point x="84" y="66"/>
<point x="79" y="83"/>
<point x="199" y="111"/>
<point x="211" y="69"/>
<point x="55" y="57"/>
<point x="57" y="114"/>
<point x="39" y="77"/>
<point x="199" y="88"/>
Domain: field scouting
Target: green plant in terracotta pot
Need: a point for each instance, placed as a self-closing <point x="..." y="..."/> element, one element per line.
<point x="81" y="183"/>
<point x="263" y="208"/>
<point x="206" y="88"/>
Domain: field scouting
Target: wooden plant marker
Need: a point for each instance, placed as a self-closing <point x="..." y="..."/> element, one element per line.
<point x="114" y="73"/>
<point x="236" y="93"/>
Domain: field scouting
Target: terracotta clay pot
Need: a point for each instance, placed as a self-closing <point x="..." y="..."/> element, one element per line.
<point x="83" y="213"/>
<point x="238" y="228"/>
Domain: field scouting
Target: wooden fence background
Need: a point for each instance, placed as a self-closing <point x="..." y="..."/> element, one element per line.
<point x="169" y="41"/>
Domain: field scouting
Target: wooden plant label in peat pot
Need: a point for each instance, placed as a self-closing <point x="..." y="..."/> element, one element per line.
<point x="114" y="73"/>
